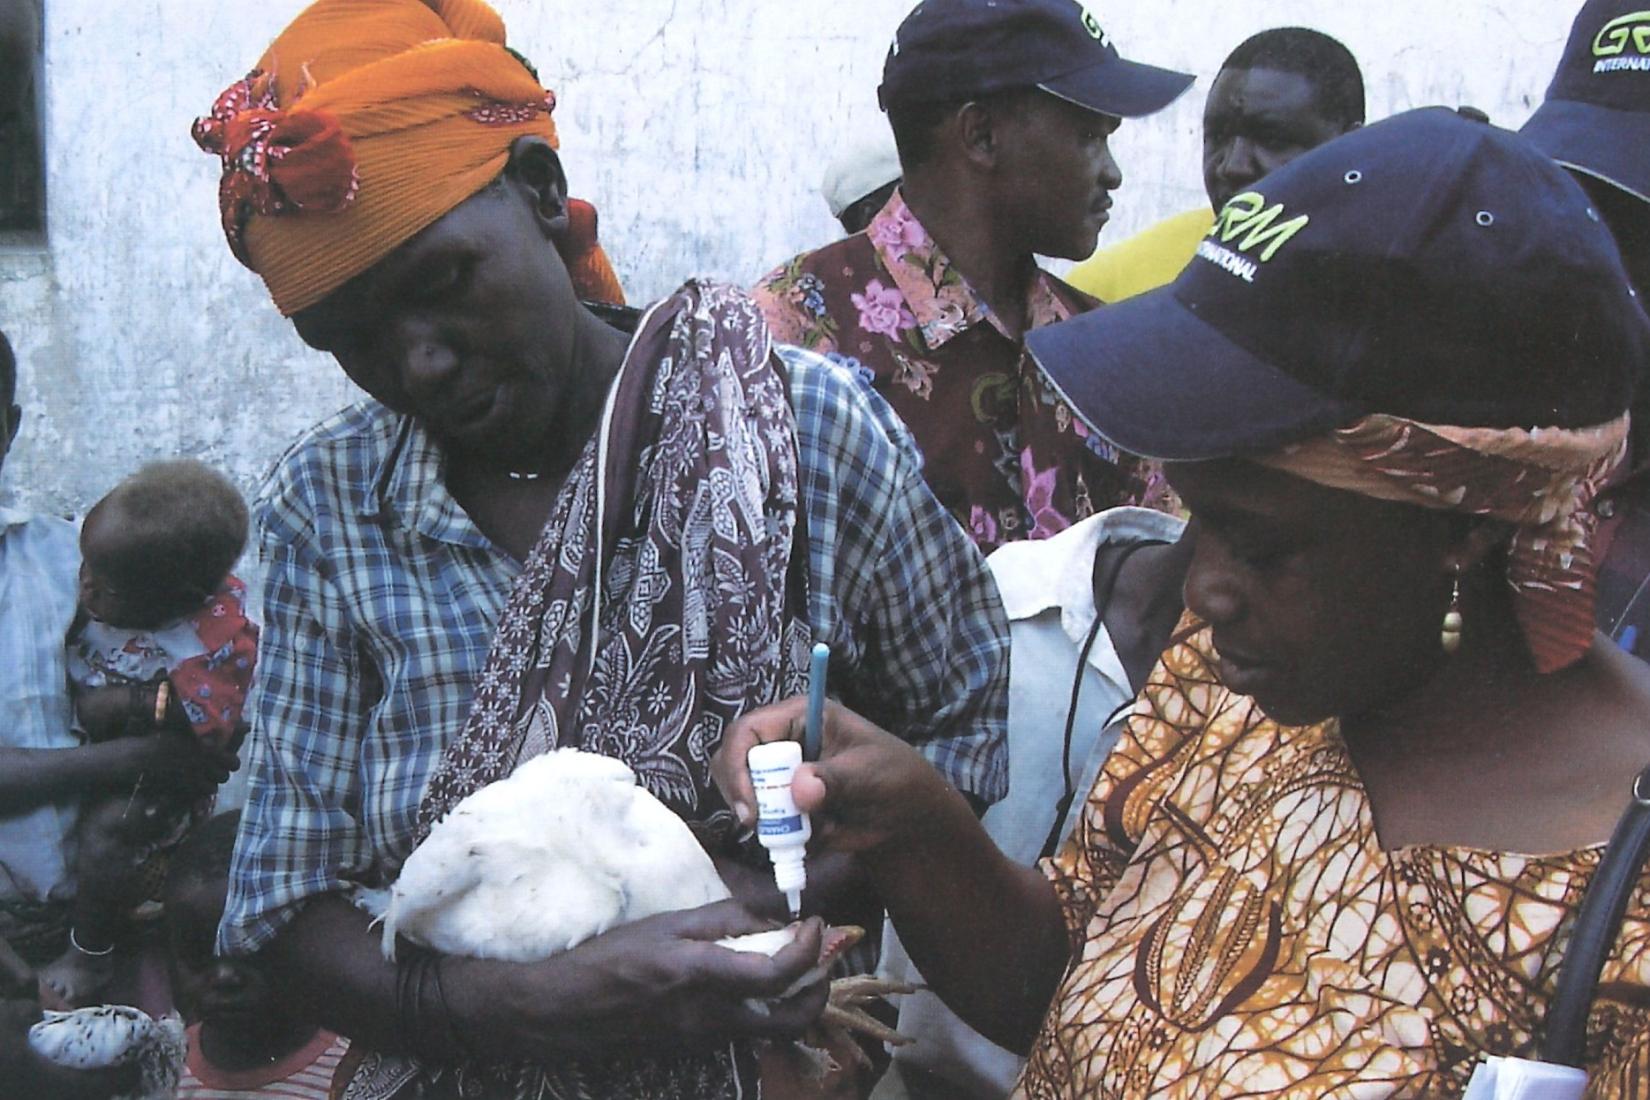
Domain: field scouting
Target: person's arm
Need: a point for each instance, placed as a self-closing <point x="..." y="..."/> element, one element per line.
<point x="659" y="982"/>
<point x="920" y="640"/>
<point x="987" y="933"/>
<point x="29" y="777"/>
<point x="299" y="837"/>
<point x="120" y="710"/>
<point x="939" y="646"/>
<point x="104" y="713"/>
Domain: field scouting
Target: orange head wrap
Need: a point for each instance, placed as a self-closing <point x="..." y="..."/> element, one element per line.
<point x="366" y="121"/>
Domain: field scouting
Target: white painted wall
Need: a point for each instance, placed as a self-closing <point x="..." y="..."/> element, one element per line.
<point x="700" y="128"/>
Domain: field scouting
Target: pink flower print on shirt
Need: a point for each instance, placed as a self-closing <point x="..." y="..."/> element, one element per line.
<point x="882" y="310"/>
<point x="916" y="375"/>
<point x="947" y="316"/>
<point x="1038" y="489"/>
<point x="898" y="233"/>
<point x="983" y="526"/>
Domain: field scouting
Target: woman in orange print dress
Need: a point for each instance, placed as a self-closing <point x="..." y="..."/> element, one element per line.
<point x="1340" y="847"/>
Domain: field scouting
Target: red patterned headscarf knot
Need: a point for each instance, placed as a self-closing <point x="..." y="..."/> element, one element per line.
<point x="275" y="161"/>
<point x="364" y="123"/>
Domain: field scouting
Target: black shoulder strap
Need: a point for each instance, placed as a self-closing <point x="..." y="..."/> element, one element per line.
<point x="797" y="567"/>
<point x="1108" y="563"/>
<point x="1597" y="925"/>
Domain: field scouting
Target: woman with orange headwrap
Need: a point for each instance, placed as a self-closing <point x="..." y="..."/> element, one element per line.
<point x="621" y="506"/>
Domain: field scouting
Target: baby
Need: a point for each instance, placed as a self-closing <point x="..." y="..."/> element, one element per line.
<point x="243" y="1038"/>
<point x="161" y="647"/>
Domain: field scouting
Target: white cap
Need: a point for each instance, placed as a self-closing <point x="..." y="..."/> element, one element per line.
<point x="860" y="169"/>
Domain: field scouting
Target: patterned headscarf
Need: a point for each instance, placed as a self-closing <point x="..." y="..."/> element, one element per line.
<point x="1540" y="480"/>
<point x="365" y="122"/>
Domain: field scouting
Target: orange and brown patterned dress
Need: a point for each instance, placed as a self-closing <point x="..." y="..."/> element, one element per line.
<point x="1238" y="931"/>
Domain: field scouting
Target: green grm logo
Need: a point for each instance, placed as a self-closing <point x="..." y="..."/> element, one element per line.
<point x="1618" y="34"/>
<point x="1092" y="24"/>
<point x="1246" y="224"/>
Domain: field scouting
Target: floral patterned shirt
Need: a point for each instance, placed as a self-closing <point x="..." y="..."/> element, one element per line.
<point x="1001" y="451"/>
<point x="207" y="655"/>
<point x="1238" y="931"/>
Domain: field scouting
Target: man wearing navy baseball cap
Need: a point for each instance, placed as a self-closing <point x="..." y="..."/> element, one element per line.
<point x="1596" y="122"/>
<point x="1002" y="111"/>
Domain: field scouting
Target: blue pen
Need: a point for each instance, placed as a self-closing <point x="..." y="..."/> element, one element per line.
<point x="815" y="728"/>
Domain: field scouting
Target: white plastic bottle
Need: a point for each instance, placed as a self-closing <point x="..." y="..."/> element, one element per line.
<point x="780" y="826"/>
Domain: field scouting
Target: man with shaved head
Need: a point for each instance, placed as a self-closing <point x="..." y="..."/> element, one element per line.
<point x="1280" y="93"/>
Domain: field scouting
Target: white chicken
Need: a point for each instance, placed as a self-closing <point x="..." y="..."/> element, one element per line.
<point x="563" y="849"/>
<point x="116" y="1035"/>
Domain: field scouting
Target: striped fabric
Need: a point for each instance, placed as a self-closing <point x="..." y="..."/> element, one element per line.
<point x="381" y="597"/>
<point x="305" y="1074"/>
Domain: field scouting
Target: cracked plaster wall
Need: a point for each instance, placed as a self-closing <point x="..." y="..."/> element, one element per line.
<point x="700" y="128"/>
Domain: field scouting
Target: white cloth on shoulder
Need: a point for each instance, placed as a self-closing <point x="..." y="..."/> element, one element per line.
<point x="1047" y="588"/>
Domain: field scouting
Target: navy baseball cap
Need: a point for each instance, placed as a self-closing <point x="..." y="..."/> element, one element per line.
<point x="1596" y="118"/>
<point x="954" y="49"/>
<point x="1427" y="266"/>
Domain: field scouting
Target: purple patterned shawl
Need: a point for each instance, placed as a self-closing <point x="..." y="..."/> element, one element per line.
<point x="680" y="513"/>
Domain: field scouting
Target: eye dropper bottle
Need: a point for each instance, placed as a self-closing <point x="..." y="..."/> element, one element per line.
<point x="780" y="827"/>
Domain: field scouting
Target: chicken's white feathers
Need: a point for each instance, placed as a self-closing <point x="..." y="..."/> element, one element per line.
<point x="563" y="849"/>
<point x="116" y="1035"/>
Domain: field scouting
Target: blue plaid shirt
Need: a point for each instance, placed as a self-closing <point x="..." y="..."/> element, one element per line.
<point x="381" y="595"/>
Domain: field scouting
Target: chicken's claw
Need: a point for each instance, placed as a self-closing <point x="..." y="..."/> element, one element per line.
<point x="844" y="1009"/>
<point x="814" y="1066"/>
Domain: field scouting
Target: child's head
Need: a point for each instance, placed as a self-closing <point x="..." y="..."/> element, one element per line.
<point x="197" y="884"/>
<point x="9" y="412"/>
<point x="159" y="544"/>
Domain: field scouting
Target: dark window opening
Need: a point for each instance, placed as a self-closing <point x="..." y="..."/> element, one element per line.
<point x="22" y="174"/>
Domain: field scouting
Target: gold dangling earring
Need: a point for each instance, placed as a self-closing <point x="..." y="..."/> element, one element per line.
<point x="1451" y="636"/>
